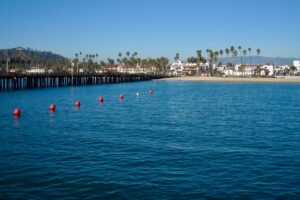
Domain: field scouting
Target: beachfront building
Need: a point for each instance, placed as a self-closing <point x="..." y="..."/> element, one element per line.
<point x="190" y="69"/>
<point x="267" y="70"/>
<point x="239" y="70"/>
<point x="127" y="69"/>
<point x="138" y="69"/>
<point x="179" y="68"/>
<point x="109" y="69"/>
<point x="36" y="70"/>
<point x="296" y="63"/>
<point x="282" y="70"/>
<point x="176" y="68"/>
<point x="248" y="70"/>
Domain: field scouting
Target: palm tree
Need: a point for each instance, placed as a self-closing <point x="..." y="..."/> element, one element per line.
<point x="215" y="58"/>
<point x="208" y="54"/>
<point x="176" y="57"/>
<point x="128" y="53"/>
<point x="199" y="60"/>
<point x="258" y="70"/>
<point x="241" y="68"/>
<point x="227" y="54"/>
<point x="216" y="55"/>
<point x="249" y="51"/>
<point x="102" y="63"/>
<point x="293" y="69"/>
<point x="235" y="53"/>
<point x="231" y="49"/>
<point x="96" y="55"/>
<point x="120" y="57"/>
<point x="199" y="55"/>
<point x="258" y="51"/>
<point x="221" y="53"/>
<point x="244" y="54"/>
<point x="211" y="58"/>
<point x="110" y="61"/>
<point x="240" y="53"/>
<point x="124" y="60"/>
<point x="76" y="61"/>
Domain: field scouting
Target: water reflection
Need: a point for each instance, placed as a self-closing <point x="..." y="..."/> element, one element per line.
<point x="16" y="121"/>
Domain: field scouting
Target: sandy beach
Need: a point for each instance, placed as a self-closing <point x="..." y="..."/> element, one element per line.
<point x="288" y="79"/>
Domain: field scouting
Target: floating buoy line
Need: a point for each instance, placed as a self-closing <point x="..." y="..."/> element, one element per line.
<point x="52" y="107"/>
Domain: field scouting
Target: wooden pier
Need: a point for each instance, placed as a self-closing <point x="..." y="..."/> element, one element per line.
<point x="25" y="81"/>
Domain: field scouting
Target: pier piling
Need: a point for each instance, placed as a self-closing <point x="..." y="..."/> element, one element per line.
<point x="26" y="81"/>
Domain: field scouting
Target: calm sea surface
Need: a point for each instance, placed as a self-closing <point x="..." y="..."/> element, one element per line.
<point x="189" y="140"/>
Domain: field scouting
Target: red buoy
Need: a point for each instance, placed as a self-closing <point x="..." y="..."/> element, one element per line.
<point x="17" y="112"/>
<point x="121" y="97"/>
<point x="151" y="92"/>
<point x="77" y="103"/>
<point x="101" y="99"/>
<point x="52" y="107"/>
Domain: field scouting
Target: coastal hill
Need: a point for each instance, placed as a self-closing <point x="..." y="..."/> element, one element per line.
<point x="34" y="56"/>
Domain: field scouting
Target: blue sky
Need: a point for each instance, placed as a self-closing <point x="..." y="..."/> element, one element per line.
<point x="151" y="27"/>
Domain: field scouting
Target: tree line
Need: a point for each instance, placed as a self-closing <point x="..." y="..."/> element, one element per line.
<point x="215" y="58"/>
<point x="91" y="62"/>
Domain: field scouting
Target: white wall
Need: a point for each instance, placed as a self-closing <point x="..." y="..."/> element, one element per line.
<point x="296" y="63"/>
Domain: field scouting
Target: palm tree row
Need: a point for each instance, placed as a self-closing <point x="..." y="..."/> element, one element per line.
<point x="127" y="60"/>
<point x="213" y="57"/>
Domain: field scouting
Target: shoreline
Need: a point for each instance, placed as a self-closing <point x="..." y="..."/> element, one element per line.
<point x="290" y="79"/>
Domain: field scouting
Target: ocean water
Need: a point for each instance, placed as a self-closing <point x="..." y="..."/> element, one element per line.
<point x="189" y="140"/>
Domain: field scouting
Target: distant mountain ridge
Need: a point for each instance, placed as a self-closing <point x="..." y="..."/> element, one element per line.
<point x="30" y="54"/>
<point x="260" y="60"/>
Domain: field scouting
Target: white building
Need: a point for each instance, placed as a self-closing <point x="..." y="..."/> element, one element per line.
<point x="179" y="68"/>
<point x="36" y="70"/>
<point x="267" y="70"/>
<point x="296" y="63"/>
<point x="249" y="70"/>
<point x="176" y="68"/>
<point x="135" y="70"/>
<point x="281" y="70"/>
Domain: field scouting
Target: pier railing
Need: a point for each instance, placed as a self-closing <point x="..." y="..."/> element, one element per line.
<point x="23" y="81"/>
